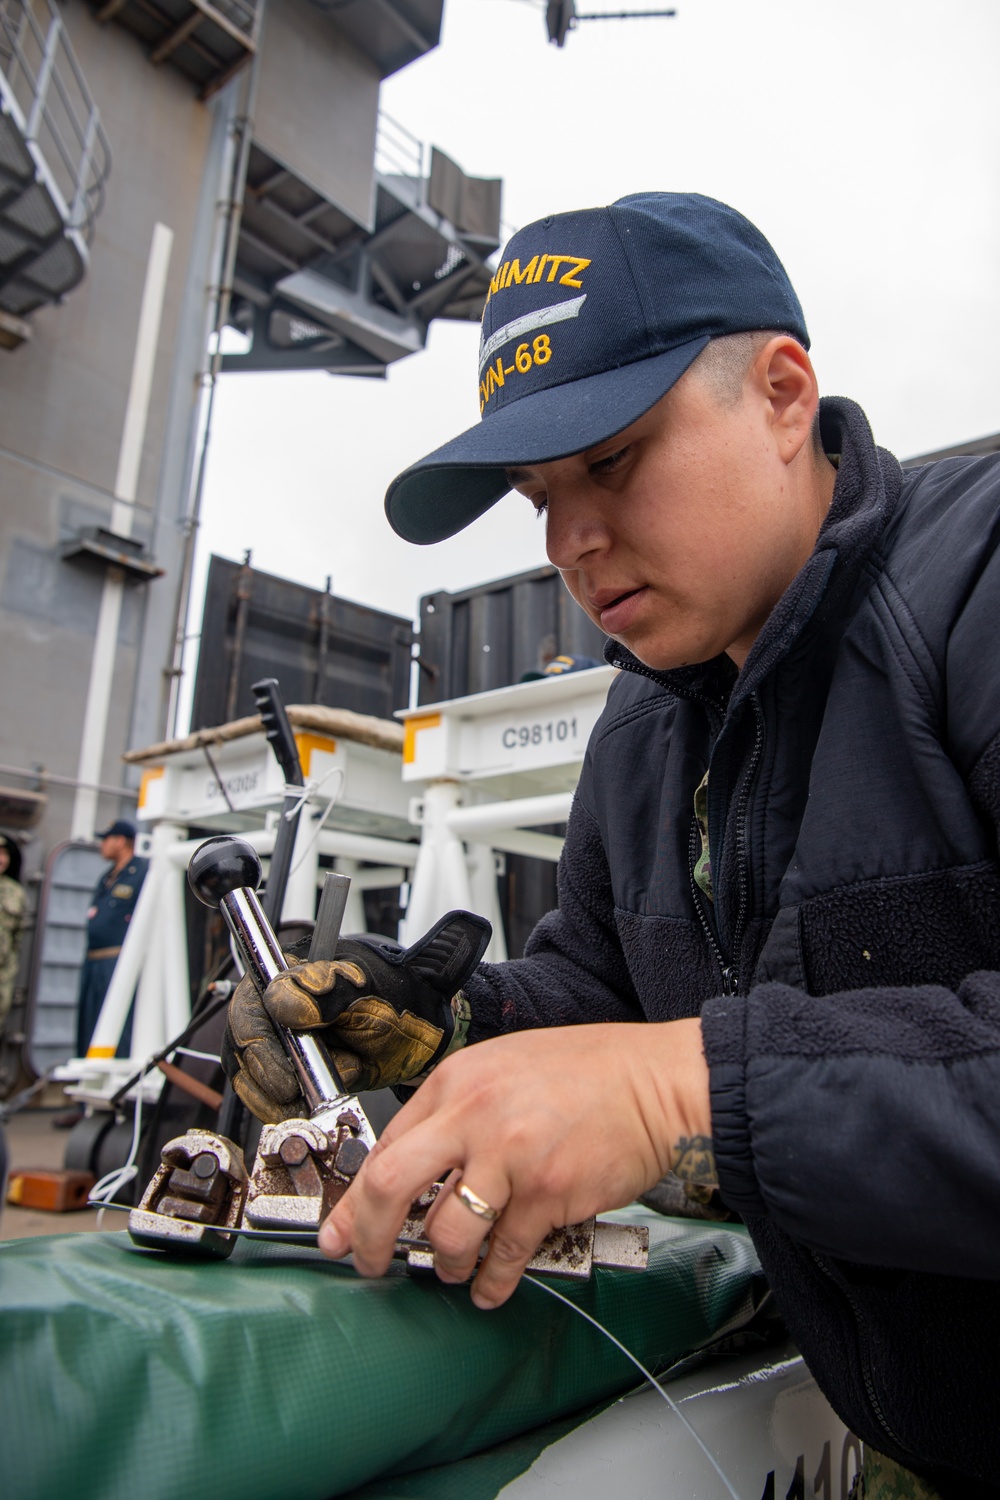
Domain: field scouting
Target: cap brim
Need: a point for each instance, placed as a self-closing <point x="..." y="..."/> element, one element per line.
<point x="448" y="489"/>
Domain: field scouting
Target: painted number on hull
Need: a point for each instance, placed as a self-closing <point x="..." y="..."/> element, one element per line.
<point x="822" y="1485"/>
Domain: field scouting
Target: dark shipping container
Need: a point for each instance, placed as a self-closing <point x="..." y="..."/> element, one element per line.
<point x="320" y="648"/>
<point x="490" y="636"/>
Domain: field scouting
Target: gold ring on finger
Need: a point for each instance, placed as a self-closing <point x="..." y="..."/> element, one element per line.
<point x="475" y="1204"/>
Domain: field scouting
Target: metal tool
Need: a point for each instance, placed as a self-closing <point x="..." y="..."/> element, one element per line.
<point x="278" y="732"/>
<point x="303" y="1166"/>
<point x="572" y="1252"/>
<point x="196" y="1195"/>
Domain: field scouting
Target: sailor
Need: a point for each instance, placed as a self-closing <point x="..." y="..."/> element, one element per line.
<point x="108" y="916"/>
<point x="782" y="852"/>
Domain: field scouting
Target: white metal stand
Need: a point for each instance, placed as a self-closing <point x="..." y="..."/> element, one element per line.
<point x="496" y="766"/>
<point x="355" y="809"/>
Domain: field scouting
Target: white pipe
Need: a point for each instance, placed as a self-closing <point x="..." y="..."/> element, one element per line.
<point x="520" y="812"/>
<point x="522" y="841"/>
<point x="299" y="904"/>
<point x="441" y="877"/>
<point x="365" y="846"/>
<point x="147" y="1018"/>
<point x="141" y="384"/>
<point x="95" y="715"/>
<point x="485" y="898"/>
<point x="176" y="967"/>
<point x="262" y="840"/>
<point x="138" y="940"/>
<point x="382" y="878"/>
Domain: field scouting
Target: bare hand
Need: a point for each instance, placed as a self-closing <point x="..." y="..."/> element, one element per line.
<point x="548" y="1127"/>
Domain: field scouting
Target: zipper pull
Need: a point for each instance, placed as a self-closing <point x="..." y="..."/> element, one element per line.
<point x="730" y="980"/>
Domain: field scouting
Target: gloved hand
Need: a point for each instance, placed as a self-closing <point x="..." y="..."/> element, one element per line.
<point x="387" y="1014"/>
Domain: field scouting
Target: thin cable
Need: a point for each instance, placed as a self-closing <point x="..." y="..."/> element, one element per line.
<point x="331" y="804"/>
<point x="113" y="1181"/>
<point x="310" y="789"/>
<point x="649" y="1376"/>
<point x="211" y="1057"/>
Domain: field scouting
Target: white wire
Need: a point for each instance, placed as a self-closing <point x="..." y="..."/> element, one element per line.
<point x="111" y="1182"/>
<point x="205" y="1056"/>
<point x="649" y="1376"/>
<point x="331" y="804"/>
<point x="311" y="789"/>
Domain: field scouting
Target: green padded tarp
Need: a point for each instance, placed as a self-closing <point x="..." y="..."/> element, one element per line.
<point x="278" y="1375"/>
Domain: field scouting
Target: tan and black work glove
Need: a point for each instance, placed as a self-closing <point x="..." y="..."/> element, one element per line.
<point x="386" y="1013"/>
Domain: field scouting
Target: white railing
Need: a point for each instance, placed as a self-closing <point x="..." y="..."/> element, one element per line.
<point x="398" y="152"/>
<point x="46" y="87"/>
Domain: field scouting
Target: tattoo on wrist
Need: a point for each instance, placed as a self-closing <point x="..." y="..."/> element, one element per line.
<point x="694" y="1163"/>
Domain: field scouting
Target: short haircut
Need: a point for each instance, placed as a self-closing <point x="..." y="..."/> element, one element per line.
<point x="724" y="363"/>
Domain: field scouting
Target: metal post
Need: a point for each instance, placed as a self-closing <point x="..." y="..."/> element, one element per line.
<point x="44" y="75"/>
<point x="231" y="212"/>
<point x="441" y="876"/>
<point x="485" y="898"/>
<point x="95" y="718"/>
<point x="135" y="950"/>
<point x="300" y="892"/>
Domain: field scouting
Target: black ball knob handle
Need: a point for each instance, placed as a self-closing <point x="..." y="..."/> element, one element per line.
<point x="221" y="865"/>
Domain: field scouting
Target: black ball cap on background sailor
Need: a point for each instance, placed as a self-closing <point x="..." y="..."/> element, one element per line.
<point x="591" y="317"/>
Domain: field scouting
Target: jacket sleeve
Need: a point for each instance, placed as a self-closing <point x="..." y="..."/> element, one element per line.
<point x="867" y="1124"/>
<point x="573" y="970"/>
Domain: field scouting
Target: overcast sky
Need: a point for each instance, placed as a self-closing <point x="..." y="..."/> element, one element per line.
<point x="862" y="137"/>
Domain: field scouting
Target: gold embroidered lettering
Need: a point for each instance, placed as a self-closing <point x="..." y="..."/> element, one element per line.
<point x="555" y="261"/>
<point x="541" y="267"/>
<point x="567" y="278"/>
<point x="516" y="274"/>
<point x="494" y="377"/>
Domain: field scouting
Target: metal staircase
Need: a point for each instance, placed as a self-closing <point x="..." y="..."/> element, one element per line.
<point x="317" y="285"/>
<point x="207" y="43"/>
<point x="210" y="42"/>
<point x="54" y="161"/>
<point x="316" y="290"/>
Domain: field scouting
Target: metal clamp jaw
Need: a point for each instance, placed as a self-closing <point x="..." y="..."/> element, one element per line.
<point x="572" y="1252"/>
<point x="302" y="1171"/>
<point x="196" y="1194"/>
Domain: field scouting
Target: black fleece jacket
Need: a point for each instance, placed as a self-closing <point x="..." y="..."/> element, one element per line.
<point x="846" y="974"/>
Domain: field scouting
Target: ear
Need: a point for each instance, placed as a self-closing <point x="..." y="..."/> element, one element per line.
<point x="783" y="377"/>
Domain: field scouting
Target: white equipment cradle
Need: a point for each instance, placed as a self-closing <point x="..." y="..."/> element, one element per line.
<point x="494" y="767"/>
<point x="227" y="780"/>
<point x="488" y="770"/>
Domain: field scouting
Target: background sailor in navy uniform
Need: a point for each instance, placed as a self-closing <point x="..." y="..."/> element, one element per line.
<point x="108" y="916"/>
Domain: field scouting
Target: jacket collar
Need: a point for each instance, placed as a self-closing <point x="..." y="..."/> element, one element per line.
<point x="865" y="493"/>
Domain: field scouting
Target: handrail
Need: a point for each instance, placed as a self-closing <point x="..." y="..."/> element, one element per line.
<point x="59" y="115"/>
<point x="397" y="150"/>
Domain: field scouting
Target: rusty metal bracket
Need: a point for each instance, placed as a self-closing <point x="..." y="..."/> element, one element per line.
<point x="572" y="1252"/>
<point x="195" y="1195"/>
<point x="302" y="1170"/>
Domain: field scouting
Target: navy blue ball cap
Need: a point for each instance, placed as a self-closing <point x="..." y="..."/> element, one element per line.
<point x="120" y="828"/>
<point x="590" y="318"/>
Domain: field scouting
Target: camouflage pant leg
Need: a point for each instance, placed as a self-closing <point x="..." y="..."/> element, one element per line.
<point x="881" y="1479"/>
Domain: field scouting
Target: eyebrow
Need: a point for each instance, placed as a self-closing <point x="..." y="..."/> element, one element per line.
<point x="515" y="476"/>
